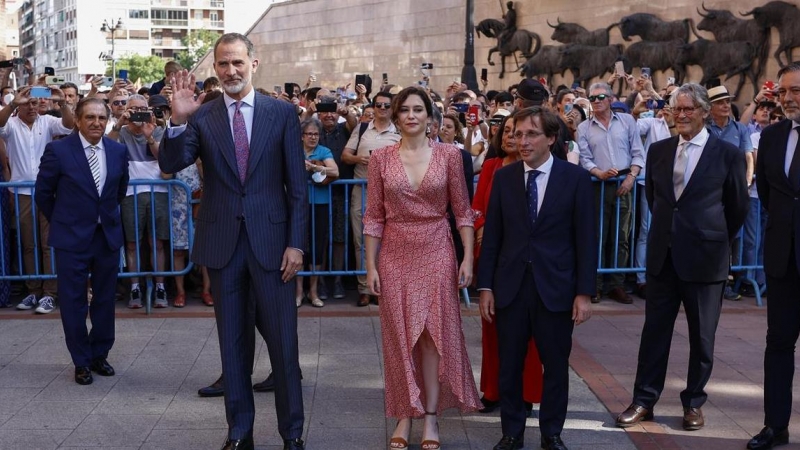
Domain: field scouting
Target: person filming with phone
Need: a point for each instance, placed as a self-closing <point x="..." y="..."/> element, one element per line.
<point x="26" y="136"/>
<point x="137" y="129"/>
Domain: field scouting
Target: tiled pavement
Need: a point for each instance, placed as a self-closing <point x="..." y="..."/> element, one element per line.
<point x="164" y="358"/>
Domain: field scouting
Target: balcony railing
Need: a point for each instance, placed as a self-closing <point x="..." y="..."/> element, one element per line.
<point x="170" y="22"/>
<point x="169" y="2"/>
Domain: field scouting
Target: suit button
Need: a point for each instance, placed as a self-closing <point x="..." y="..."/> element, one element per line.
<point x="675" y="209"/>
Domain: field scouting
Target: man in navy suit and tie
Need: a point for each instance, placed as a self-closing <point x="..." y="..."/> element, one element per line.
<point x="695" y="186"/>
<point x="537" y="271"/>
<point x="778" y="175"/>
<point x="81" y="181"/>
<point x="251" y="229"/>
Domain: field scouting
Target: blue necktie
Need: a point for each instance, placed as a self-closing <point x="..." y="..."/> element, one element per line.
<point x="533" y="196"/>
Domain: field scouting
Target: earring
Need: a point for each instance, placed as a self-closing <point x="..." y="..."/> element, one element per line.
<point x="428" y="129"/>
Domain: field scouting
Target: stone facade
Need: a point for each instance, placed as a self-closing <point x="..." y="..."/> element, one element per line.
<point x="337" y="40"/>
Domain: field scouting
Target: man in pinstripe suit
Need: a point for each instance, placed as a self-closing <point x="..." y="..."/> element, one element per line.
<point x="251" y="228"/>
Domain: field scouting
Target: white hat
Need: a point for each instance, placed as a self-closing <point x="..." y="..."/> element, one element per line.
<point x="718" y="93"/>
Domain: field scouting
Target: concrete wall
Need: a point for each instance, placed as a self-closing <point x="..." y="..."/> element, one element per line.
<point x="338" y="39"/>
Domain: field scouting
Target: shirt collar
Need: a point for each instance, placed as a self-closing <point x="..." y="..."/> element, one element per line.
<point x="249" y="99"/>
<point x="546" y="166"/>
<point x="86" y="143"/>
<point x="795" y="124"/>
<point x="391" y="128"/>
<point x="699" y="140"/>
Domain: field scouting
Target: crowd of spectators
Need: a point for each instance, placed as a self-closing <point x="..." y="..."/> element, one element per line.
<point x="605" y="134"/>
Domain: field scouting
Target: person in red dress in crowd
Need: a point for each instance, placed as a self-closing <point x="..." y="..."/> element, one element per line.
<point x="506" y="150"/>
<point x="411" y="265"/>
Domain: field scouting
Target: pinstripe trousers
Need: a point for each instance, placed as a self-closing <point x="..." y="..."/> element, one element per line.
<point x="276" y="315"/>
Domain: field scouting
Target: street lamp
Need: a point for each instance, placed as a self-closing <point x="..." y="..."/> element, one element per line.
<point x="468" y="75"/>
<point x="112" y="28"/>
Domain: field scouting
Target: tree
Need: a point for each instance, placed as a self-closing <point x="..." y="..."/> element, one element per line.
<point x="148" y="69"/>
<point x="198" y="42"/>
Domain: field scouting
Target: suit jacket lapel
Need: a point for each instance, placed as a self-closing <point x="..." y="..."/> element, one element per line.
<point x="81" y="161"/>
<point x="262" y="128"/>
<point x="780" y="154"/>
<point x="671" y="167"/>
<point x="221" y="130"/>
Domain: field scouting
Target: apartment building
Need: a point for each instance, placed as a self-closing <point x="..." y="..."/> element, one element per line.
<point x="69" y="36"/>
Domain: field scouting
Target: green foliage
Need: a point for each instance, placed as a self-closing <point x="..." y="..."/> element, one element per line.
<point x="148" y="69"/>
<point x="199" y="42"/>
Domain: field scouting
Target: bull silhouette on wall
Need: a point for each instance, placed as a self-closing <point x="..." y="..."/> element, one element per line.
<point x="785" y="17"/>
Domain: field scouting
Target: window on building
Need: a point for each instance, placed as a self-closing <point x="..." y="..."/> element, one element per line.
<point x="139" y="14"/>
<point x="139" y="34"/>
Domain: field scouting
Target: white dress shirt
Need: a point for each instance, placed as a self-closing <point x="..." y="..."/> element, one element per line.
<point x="694" y="149"/>
<point x="100" y="152"/>
<point x="25" y="146"/>
<point x="247" y="108"/>
<point x="790" y="146"/>
<point x="541" y="180"/>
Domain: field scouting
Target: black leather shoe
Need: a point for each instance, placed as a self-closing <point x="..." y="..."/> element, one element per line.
<point x="214" y="390"/>
<point x="553" y="442"/>
<point x="101" y="367"/>
<point x="238" y="444"/>
<point x="509" y="443"/>
<point x="768" y="438"/>
<point x="267" y="385"/>
<point x="294" y="444"/>
<point x="83" y="375"/>
<point x="488" y="405"/>
<point x="633" y="415"/>
<point x="693" y="419"/>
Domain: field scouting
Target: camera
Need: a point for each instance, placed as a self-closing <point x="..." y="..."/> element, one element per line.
<point x="426" y="66"/>
<point x="158" y="113"/>
<point x="54" y="80"/>
<point x="141" y="116"/>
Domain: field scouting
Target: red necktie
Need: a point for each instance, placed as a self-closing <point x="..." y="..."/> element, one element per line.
<point x="240" y="142"/>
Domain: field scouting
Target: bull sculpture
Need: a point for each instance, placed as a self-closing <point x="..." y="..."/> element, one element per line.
<point x="727" y="28"/>
<point x="572" y="33"/>
<point x="546" y="62"/>
<point x="785" y="17"/>
<point x="721" y="58"/>
<point x="658" y="56"/>
<point x="651" y="28"/>
<point x="588" y="62"/>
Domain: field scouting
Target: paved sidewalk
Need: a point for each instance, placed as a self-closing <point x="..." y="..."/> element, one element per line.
<point x="163" y="359"/>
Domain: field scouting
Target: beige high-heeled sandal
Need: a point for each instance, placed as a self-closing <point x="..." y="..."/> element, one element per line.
<point x="398" y="443"/>
<point x="430" y="444"/>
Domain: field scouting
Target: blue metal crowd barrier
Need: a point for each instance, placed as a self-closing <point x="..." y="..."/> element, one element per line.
<point x="744" y="263"/>
<point x="13" y="217"/>
<point x="339" y="194"/>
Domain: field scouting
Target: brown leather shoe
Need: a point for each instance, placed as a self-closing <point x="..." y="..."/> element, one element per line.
<point x="633" y="415"/>
<point x="693" y="419"/>
<point x="374" y="299"/>
<point x="620" y="296"/>
<point x="363" y="300"/>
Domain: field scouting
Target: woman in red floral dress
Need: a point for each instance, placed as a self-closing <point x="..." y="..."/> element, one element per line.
<point x="411" y="264"/>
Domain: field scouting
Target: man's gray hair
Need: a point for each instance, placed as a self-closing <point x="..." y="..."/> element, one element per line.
<point x="698" y="94"/>
<point x="137" y="97"/>
<point x="230" y="38"/>
<point x="603" y="86"/>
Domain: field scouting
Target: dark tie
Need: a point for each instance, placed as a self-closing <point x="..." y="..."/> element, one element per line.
<point x="794" y="167"/>
<point x="94" y="166"/>
<point x="533" y="196"/>
<point x="240" y="142"/>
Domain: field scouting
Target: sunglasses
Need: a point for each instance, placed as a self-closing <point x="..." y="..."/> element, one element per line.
<point x="383" y="105"/>
<point x="777" y="118"/>
<point x="595" y="98"/>
<point x="495" y="123"/>
<point x="119" y="102"/>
